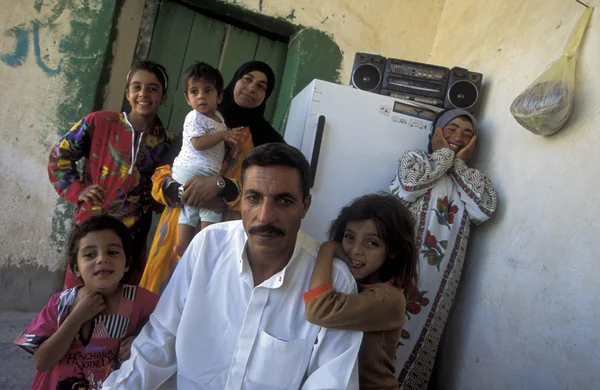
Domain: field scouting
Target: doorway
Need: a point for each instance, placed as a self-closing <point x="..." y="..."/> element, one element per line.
<point x="182" y="36"/>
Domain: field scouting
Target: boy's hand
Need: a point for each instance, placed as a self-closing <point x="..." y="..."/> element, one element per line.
<point x="125" y="348"/>
<point x="234" y="139"/>
<point x="87" y="308"/>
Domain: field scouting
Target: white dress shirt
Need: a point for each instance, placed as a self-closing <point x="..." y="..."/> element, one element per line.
<point x="215" y="330"/>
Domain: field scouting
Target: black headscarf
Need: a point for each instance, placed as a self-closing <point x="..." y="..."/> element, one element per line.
<point x="235" y="116"/>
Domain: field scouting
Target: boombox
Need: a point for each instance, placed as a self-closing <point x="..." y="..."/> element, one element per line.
<point x="367" y="72"/>
<point x="463" y="89"/>
<point x="423" y="83"/>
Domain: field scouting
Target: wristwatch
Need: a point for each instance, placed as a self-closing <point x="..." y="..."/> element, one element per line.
<point x="220" y="185"/>
<point x="180" y="190"/>
<point x="173" y="190"/>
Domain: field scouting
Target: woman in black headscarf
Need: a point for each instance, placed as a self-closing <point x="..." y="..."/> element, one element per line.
<point x="243" y="106"/>
<point x="245" y="100"/>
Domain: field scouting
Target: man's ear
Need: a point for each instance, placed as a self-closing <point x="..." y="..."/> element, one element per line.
<point x="307" y="201"/>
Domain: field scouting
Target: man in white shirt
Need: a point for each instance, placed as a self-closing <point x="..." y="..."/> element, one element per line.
<point x="232" y="315"/>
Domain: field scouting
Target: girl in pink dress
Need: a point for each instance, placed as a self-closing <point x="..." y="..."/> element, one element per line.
<point x="84" y="332"/>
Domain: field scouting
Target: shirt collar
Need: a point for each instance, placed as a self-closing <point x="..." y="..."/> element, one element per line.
<point x="276" y="280"/>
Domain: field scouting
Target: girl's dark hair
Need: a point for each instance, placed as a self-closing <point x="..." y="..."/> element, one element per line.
<point x="202" y="70"/>
<point x="158" y="70"/>
<point x="434" y="126"/>
<point x="95" y="224"/>
<point x="396" y="227"/>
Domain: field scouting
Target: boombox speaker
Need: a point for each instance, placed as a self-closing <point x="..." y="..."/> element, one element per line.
<point x="463" y="89"/>
<point x="367" y="72"/>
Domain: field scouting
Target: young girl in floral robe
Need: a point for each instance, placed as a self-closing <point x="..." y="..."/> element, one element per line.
<point x="445" y="196"/>
<point x="120" y="153"/>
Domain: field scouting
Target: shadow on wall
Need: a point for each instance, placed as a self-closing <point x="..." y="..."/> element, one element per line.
<point x="455" y="339"/>
<point x="456" y="336"/>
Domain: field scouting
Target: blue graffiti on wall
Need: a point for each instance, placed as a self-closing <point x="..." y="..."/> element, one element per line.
<point x="22" y="35"/>
<point x="19" y="54"/>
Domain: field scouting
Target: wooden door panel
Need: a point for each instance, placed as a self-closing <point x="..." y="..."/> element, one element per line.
<point x="240" y="46"/>
<point x="169" y="43"/>
<point x="204" y="44"/>
<point x="273" y="53"/>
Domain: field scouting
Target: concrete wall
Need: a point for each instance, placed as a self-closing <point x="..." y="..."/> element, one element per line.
<point x="527" y="312"/>
<point x="28" y="104"/>
<point x="51" y="57"/>
<point x="395" y="28"/>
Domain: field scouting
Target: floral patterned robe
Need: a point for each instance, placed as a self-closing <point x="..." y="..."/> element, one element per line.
<point x="104" y="140"/>
<point x="445" y="196"/>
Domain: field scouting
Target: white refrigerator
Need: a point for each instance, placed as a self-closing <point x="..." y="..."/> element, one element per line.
<point x="353" y="140"/>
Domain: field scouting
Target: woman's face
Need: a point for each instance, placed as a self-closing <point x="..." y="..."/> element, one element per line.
<point x="458" y="133"/>
<point x="250" y="90"/>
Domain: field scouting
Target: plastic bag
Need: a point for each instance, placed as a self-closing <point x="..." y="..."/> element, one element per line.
<point x="544" y="107"/>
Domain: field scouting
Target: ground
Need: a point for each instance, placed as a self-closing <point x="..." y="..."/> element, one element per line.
<point x="16" y="365"/>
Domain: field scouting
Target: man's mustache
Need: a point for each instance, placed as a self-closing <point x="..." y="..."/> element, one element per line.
<point x="269" y="229"/>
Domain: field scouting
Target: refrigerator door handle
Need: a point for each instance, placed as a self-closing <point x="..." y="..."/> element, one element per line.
<point x="314" y="161"/>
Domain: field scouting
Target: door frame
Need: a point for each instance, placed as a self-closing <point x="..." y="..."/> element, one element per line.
<point x="311" y="53"/>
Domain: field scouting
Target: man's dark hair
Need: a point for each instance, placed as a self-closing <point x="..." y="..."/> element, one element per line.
<point x="281" y="154"/>
<point x="202" y="70"/>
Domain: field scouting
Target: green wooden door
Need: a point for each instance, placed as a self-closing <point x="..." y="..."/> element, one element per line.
<point x="182" y="36"/>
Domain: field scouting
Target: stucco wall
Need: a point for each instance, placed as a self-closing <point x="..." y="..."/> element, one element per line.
<point x="28" y="105"/>
<point x="51" y="56"/>
<point x="394" y="28"/>
<point x="527" y="312"/>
